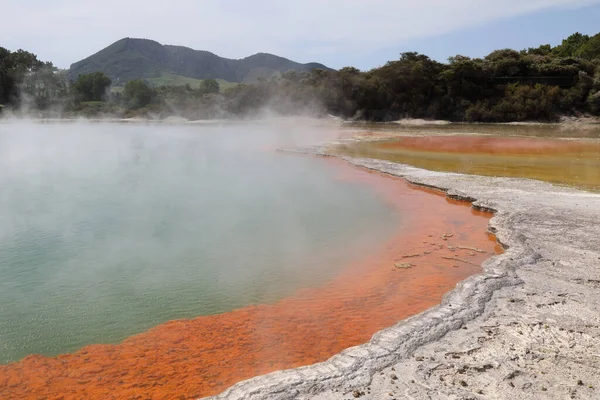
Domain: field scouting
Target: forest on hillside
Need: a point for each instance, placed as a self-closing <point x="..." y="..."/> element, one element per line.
<point x="535" y="84"/>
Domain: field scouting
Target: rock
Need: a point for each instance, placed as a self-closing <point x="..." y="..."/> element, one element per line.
<point x="474" y="249"/>
<point x="512" y="375"/>
<point x="459" y="260"/>
<point x="412" y="255"/>
<point x="526" y="385"/>
<point x="403" y="265"/>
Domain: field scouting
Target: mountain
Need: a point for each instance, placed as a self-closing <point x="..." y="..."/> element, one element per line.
<point x="129" y="59"/>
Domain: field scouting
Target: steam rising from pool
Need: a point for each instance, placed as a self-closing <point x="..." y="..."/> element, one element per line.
<point x="107" y="230"/>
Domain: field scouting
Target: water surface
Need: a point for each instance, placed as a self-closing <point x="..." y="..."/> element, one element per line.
<point x="108" y="230"/>
<point x="551" y="153"/>
<point x="443" y="240"/>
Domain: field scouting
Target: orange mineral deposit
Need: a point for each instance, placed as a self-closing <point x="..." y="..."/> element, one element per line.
<point x="564" y="162"/>
<point x="187" y="359"/>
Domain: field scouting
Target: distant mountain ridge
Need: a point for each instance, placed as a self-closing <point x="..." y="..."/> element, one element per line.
<point x="129" y="59"/>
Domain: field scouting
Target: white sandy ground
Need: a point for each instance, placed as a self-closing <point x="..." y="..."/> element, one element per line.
<point x="528" y="327"/>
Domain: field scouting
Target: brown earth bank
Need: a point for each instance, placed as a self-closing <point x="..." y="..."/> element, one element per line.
<point x="439" y="243"/>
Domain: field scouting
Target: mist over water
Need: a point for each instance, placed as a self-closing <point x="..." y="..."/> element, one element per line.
<point x="107" y="230"/>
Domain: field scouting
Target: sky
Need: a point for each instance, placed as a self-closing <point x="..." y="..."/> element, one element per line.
<point x="338" y="33"/>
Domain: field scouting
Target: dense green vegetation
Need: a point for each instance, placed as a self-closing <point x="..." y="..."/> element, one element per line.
<point x="168" y="79"/>
<point x="137" y="94"/>
<point x="25" y="79"/>
<point x="537" y="84"/>
<point x="91" y="87"/>
<point x="534" y="84"/>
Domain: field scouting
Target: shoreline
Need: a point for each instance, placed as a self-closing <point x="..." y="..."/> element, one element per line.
<point x="536" y="303"/>
<point x="205" y="355"/>
<point x="562" y="161"/>
<point x="565" y="121"/>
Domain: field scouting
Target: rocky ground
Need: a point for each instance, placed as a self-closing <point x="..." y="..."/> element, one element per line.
<point x="528" y="327"/>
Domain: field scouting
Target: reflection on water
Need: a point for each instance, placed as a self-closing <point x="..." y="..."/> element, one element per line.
<point x="560" y="161"/>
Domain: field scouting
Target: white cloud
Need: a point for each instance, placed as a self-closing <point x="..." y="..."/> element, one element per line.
<point x="65" y="31"/>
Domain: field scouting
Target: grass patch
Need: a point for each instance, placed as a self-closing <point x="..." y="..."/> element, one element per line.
<point x="169" y="79"/>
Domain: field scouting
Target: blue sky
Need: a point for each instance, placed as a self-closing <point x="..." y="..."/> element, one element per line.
<point x="362" y="33"/>
<point x="520" y="32"/>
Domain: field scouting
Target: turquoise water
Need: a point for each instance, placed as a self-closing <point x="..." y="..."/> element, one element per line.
<point x="107" y="230"/>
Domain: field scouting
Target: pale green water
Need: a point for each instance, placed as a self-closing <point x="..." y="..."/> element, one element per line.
<point x="108" y="230"/>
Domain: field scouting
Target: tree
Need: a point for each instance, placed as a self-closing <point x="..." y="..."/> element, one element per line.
<point x="92" y="87"/>
<point x="15" y="67"/>
<point x="137" y="94"/>
<point x="291" y="76"/>
<point x="7" y="79"/>
<point x="349" y="71"/>
<point x="503" y="54"/>
<point x="464" y="82"/>
<point x="411" y="85"/>
<point x="44" y="87"/>
<point x="506" y="62"/>
<point x="571" y="45"/>
<point x="543" y="50"/>
<point x="590" y="49"/>
<point x="209" y="86"/>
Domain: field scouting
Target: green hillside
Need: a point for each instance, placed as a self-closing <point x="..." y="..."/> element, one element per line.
<point x="261" y="73"/>
<point x="129" y="59"/>
<point x="169" y="79"/>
